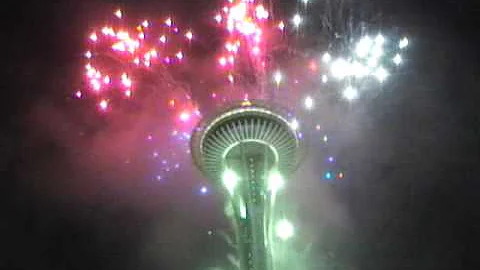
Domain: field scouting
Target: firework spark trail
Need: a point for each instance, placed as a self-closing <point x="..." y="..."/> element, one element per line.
<point x="252" y="36"/>
<point x="245" y="21"/>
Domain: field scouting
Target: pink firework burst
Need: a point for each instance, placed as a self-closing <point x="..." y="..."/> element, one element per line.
<point x="118" y="57"/>
<point x="245" y="23"/>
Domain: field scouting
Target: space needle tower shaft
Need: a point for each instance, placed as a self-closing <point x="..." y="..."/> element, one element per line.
<point x="248" y="151"/>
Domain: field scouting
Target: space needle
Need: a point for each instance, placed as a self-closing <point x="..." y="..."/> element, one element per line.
<point x="249" y="151"/>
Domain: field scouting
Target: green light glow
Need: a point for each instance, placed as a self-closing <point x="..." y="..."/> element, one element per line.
<point x="230" y="180"/>
<point x="284" y="229"/>
<point x="275" y="182"/>
<point x="243" y="210"/>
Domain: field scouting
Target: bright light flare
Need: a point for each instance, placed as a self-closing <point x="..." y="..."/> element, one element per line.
<point x="284" y="229"/>
<point x="275" y="181"/>
<point x="297" y="20"/>
<point x="96" y="86"/>
<point x="363" y="46"/>
<point x="238" y="12"/>
<point x="309" y="102"/>
<point x="358" y="70"/>
<point x="184" y="116"/>
<point x="230" y="180"/>
<point x="243" y="210"/>
<point x="294" y="124"/>
<point x="118" y="13"/>
<point x="381" y="74"/>
<point x="179" y="55"/>
<point x="78" y="94"/>
<point x="340" y="68"/>
<point x="403" y="43"/>
<point x="376" y="51"/>
<point x="103" y="105"/>
<point x="169" y="22"/>
<point x="326" y="58"/>
<point x="189" y="35"/>
<point x="379" y="40"/>
<point x="222" y="61"/>
<point x="277" y="77"/>
<point x="126" y="80"/>
<point x="261" y="13"/>
<point x="397" y="59"/>
<point x="218" y="18"/>
<point x="350" y="93"/>
<point x="324" y="78"/>
<point x="93" y="37"/>
<point x="163" y="39"/>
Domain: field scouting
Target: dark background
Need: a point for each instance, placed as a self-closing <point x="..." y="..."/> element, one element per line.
<point x="412" y="201"/>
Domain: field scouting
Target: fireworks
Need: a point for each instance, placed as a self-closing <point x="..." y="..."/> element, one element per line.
<point x="368" y="58"/>
<point x="117" y="54"/>
<point x="245" y="23"/>
<point x="136" y="63"/>
<point x="144" y="63"/>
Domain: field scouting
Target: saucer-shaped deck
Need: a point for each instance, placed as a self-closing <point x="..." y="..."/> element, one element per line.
<point x="247" y="123"/>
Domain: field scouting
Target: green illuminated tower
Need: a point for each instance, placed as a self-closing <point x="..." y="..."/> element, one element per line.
<point x="249" y="150"/>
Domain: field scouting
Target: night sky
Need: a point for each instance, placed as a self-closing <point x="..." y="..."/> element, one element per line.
<point x="411" y="154"/>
